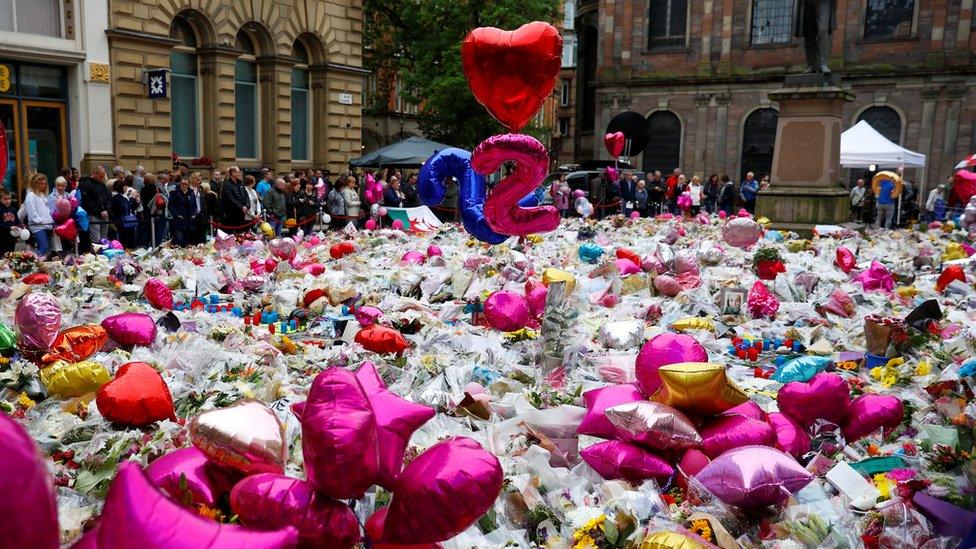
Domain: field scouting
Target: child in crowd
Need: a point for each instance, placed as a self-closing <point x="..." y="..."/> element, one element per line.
<point x="8" y="220"/>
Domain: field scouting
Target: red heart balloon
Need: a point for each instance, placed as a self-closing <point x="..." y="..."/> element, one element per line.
<point x="67" y="230"/>
<point x="137" y="396"/>
<point x="615" y="143"/>
<point x="512" y="73"/>
<point x="37" y="278"/>
<point x="381" y="339"/>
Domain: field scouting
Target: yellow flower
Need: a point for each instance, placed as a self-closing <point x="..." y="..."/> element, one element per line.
<point x="25" y="401"/>
<point x="923" y="368"/>
<point x="584" y="542"/>
<point x="849" y="365"/>
<point x="895" y="362"/>
<point x="906" y="291"/>
<point x="703" y="528"/>
<point x="595" y="523"/>
<point x="888" y="380"/>
<point x="883" y="485"/>
<point x="210" y="513"/>
<point x="491" y="272"/>
<point x="877" y="372"/>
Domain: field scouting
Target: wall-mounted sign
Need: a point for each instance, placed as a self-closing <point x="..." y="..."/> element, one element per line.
<point x="156" y="84"/>
<point x="4" y="78"/>
<point x="345" y="99"/>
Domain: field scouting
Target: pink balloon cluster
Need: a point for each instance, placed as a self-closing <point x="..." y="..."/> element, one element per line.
<point x="373" y="189"/>
<point x="509" y="311"/>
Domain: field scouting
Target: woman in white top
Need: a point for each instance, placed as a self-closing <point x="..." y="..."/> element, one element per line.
<point x="39" y="220"/>
<point x="697" y="194"/>
<point x="254" y="208"/>
<point x="351" y="197"/>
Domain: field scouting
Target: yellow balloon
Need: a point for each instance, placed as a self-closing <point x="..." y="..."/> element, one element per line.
<point x="764" y="221"/>
<point x="71" y="380"/>
<point x="267" y="229"/>
<point x="698" y="388"/>
<point x="555" y="275"/>
<point x="954" y="250"/>
<point x="669" y="540"/>
<point x="693" y="323"/>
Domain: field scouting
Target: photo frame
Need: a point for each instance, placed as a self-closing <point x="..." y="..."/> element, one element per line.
<point x="732" y="301"/>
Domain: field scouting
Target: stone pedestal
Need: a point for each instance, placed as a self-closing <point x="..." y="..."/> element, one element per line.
<point x="806" y="176"/>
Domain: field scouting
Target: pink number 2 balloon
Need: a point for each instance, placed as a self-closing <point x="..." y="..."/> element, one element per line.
<point x="502" y="208"/>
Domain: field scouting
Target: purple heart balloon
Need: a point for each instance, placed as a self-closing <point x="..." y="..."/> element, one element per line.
<point x="614" y="459"/>
<point x="137" y="514"/>
<point x="826" y="396"/>
<point x="868" y="413"/>
<point x="396" y="420"/>
<point x="206" y="482"/>
<point x="662" y="350"/>
<point x="754" y="476"/>
<point x="131" y="329"/>
<point x="28" y="508"/>
<point x="596" y="423"/>
<point x="339" y="436"/>
<point x="443" y="492"/>
<point x="38" y="320"/>
<point x="269" y="501"/>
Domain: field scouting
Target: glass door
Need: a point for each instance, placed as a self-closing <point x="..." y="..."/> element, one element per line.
<point x="9" y="118"/>
<point x="46" y="141"/>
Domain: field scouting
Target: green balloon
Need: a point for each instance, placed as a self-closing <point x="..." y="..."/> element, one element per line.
<point x="8" y="341"/>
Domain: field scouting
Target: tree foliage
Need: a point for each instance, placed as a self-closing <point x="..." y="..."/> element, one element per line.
<point x="420" y="41"/>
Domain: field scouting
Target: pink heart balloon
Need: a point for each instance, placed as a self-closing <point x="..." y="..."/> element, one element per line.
<point x="283" y="248"/>
<point x="614" y="459"/>
<point x="158" y="294"/>
<point x="754" y="476"/>
<point x="131" y="329"/>
<point x="826" y="396"/>
<point x="662" y="350"/>
<point x="535" y="294"/>
<point x="434" y="250"/>
<point x="596" y="423"/>
<point x="667" y="285"/>
<point x="137" y="514"/>
<point x="339" y="436"/>
<point x="615" y="143"/>
<point x="366" y="316"/>
<point x="728" y="431"/>
<point x="868" y="413"/>
<point x="205" y="482"/>
<point x="415" y="258"/>
<point x="62" y="210"/>
<point x="246" y="436"/>
<point x="28" y="508"/>
<point x="443" y="492"/>
<point x="790" y="436"/>
<point x="507" y="311"/>
<point x="741" y="232"/>
<point x="626" y="267"/>
<point x="38" y="320"/>
<point x="396" y="420"/>
<point x="268" y="501"/>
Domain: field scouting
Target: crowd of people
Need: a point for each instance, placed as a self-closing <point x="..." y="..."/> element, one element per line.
<point x="142" y="209"/>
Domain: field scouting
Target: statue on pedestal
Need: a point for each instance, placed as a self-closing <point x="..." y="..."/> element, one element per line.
<point x="815" y="23"/>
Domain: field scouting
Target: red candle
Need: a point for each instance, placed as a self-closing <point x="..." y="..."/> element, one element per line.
<point x="754" y="354"/>
<point x="740" y="353"/>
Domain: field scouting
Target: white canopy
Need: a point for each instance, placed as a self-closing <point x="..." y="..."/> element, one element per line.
<point x="862" y="146"/>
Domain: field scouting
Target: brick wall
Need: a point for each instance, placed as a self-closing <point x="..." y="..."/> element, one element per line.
<point x="331" y="31"/>
<point x="927" y="78"/>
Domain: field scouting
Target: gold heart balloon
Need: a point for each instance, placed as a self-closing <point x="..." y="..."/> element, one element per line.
<point x="71" y="380"/>
<point x="669" y="540"/>
<point x="698" y="388"/>
<point x="247" y="436"/>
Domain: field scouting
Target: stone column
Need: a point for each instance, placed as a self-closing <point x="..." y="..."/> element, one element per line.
<point x="721" y="132"/>
<point x="217" y="103"/>
<point x="701" y="128"/>
<point x="274" y="82"/>
<point x="806" y="158"/>
<point x="930" y="96"/>
<point x="949" y="146"/>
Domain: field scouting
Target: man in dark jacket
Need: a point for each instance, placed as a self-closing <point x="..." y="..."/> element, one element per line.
<point x="183" y="210"/>
<point x="233" y="199"/>
<point x="410" y="191"/>
<point x="97" y="202"/>
<point x="276" y="205"/>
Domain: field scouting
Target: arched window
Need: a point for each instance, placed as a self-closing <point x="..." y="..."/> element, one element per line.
<point x="885" y="120"/>
<point x="184" y="89"/>
<point x="246" y="97"/>
<point x="300" y="104"/>
<point x="758" y="139"/>
<point x="43" y="17"/>
<point x="663" y="151"/>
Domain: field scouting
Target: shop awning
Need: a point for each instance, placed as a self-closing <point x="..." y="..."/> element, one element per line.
<point x="413" y="151"/>
<point x="862" y="146"/>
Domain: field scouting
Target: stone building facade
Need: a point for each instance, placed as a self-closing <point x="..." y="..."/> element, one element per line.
<point x="55" y="100"/>
<point x="701" y="71"/>
<point x="274" y="83"/>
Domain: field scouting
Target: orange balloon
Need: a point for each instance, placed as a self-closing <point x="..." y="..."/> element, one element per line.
<point x="76" y="344"/>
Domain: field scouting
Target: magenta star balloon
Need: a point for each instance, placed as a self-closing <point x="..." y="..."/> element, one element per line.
<point x="443" y="492"/>
<point x="137" y="514"/>
<point x="188" y="472"/>
<point x="595" y="422"/>
<point x="28" y="508"/>
<point x="269" y="501"/>
<point x="339" y="436"/>
<point x="396" y="420"/>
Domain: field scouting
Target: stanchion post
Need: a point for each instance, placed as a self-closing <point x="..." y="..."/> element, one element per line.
<point x="152" y="230"/>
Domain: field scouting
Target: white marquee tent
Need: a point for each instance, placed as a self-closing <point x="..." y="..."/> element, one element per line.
<point x="862" y="146"/>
